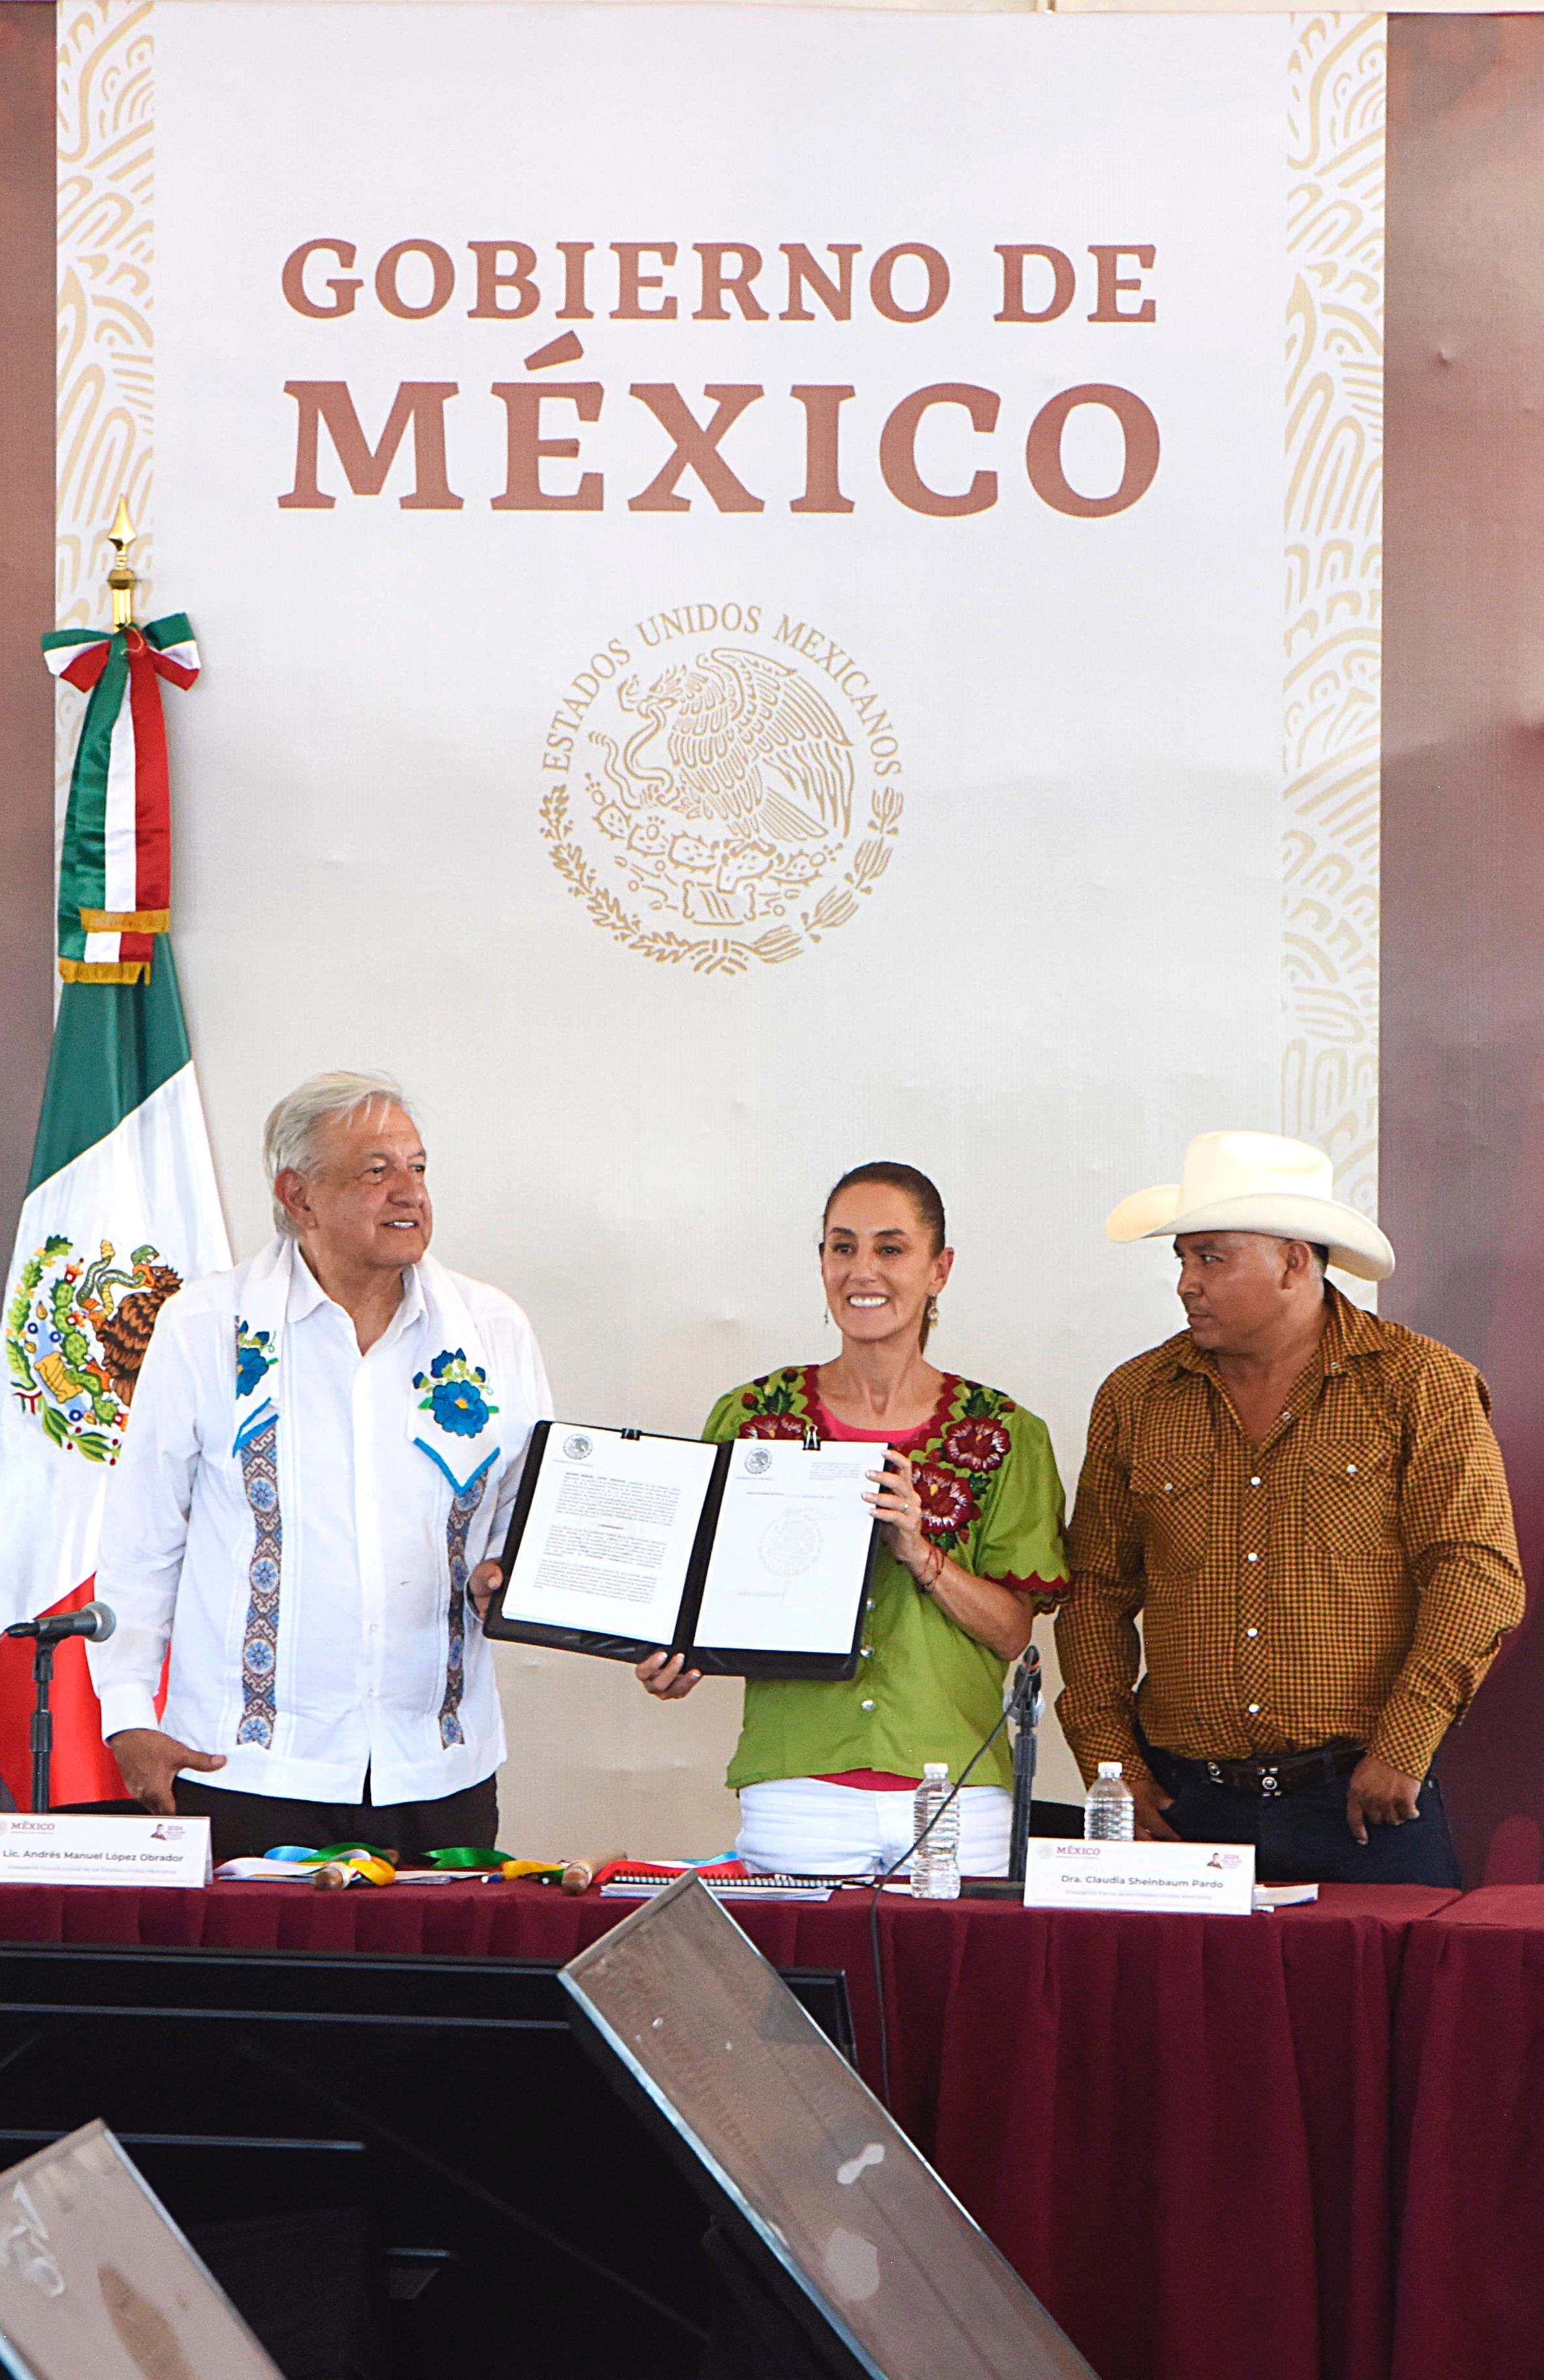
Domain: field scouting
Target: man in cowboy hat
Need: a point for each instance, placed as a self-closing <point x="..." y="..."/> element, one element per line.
<point x="1306" y="1506"/>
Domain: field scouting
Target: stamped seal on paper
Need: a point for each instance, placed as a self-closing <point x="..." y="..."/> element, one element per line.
<point x="723" y="787"/>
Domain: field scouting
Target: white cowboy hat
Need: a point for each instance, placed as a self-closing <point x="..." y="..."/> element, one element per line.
<point x="1256" y="1182"/>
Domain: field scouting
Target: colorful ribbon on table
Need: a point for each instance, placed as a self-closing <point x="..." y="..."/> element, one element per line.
<point x="366" y="1861"/>
<point x="371" y="1865"/>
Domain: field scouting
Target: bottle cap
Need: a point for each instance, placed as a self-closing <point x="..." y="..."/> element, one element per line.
<point x="935" y="1768"/>
<point x="1109" y="1767"/>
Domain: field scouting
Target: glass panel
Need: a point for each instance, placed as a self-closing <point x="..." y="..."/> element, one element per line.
<point x="831" y="2185"/>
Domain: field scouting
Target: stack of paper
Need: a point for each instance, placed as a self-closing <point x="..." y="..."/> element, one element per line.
<point x="725" y="1879"/>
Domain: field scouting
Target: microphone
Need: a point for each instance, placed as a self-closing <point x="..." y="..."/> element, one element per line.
<point x="97" y="1621"/>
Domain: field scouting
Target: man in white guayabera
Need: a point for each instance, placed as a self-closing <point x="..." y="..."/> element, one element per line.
<point x="325" y="1443"/>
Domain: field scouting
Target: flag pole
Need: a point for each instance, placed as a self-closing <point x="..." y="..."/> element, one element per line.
<point x="121" y="582"/>
<point x="121" y="579"/>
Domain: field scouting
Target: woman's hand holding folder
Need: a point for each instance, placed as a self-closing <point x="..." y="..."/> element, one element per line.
<point x="666" y="1677"/>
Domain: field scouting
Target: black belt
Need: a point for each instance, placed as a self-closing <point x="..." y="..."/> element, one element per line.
<point x="1288" y="1773"/>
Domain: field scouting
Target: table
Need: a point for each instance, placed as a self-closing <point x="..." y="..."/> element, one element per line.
<point x="1469" y="2134"/>
<point x="1177" y="2128"/>
<point x="1183" y="2141"/>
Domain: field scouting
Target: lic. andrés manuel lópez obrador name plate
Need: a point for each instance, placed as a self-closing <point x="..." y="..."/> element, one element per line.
<point x="46" y="1848"/>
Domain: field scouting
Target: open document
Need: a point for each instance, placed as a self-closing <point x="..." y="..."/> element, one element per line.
<point x="608" y="1538"/>
<point x="791" y="1544"/>
<point x="753" y="1557"/>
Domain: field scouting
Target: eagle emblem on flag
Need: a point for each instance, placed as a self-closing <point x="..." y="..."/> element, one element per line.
<point x="75" y="1335"/>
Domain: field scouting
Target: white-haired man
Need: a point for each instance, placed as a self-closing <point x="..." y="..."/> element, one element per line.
<point x="1306" y="1507"/>
<point x="325" y="1442"/>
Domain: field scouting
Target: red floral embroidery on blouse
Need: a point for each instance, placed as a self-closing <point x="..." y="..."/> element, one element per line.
<point x="948" y="1506"/>
<point x="773" y="1425"/>
<point x="954" y="1454"/>
<point x="976" y="1446"/>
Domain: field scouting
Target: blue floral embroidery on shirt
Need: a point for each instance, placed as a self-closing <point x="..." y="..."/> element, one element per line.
<point x="255" y="1358"/>
<point x="454" y="1394"/>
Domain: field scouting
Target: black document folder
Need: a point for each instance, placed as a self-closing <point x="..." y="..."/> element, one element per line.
<point x="755" y="1559"/>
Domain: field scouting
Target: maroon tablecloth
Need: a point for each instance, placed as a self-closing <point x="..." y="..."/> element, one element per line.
<point x="1469" y="2137"/>
<point x="1177" y="2128"/>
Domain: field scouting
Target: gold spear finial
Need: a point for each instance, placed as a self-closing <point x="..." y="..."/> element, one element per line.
<point x="121" y="579"/>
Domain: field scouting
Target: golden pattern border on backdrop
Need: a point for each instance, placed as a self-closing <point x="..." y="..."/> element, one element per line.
<point x="105" y="388"/>
<point x="1334" y="545"/>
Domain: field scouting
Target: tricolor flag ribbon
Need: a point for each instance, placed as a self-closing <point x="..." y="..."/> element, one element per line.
<point x="116" y="866"/>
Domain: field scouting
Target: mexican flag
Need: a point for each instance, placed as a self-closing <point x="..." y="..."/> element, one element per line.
<point x="121" y="1209"/>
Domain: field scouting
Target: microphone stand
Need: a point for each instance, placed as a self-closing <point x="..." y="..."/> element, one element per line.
<point x="1025" y="1711"/>
<point x="42" y="1723"/>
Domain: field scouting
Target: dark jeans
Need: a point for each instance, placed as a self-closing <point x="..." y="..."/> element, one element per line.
<point x="243" y="1825"/>
<point x="1302" y="1838"/>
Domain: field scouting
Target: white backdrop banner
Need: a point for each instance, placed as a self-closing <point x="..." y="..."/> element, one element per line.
<point x="739" y="559"/>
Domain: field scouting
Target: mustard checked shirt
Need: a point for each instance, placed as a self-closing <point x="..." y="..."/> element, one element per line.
<point x="1349" y="1577"/>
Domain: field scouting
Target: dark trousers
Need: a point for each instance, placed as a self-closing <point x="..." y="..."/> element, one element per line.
<point x="1302" y="1838"/>
<point x="243" y="1825"/>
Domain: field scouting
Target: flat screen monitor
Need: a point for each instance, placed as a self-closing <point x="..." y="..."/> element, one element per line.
<point x="95" y="2278"/>
<point x="880" y="2260"/>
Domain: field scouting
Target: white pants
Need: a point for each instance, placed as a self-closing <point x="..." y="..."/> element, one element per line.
<point x="799" y="1825"/>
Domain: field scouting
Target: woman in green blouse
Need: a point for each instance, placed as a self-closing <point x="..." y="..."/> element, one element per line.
<point x="971" y="1509"/>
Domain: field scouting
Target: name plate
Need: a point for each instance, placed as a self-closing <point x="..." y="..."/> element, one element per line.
<point x="1219" y="1876"/>
<point x="45" y="1849"/>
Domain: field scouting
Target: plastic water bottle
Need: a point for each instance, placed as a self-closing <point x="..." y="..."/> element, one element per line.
<point x="1109" y="1814"/>
<point x="935" y="1865"/>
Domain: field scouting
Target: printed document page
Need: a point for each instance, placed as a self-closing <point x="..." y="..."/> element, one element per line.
<point x="608" y="1539"/>
<point x="791" y="1548"/>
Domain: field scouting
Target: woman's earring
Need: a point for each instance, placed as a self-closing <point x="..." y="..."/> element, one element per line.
<point x="932" y="1314"/>
<point x="825" y="1317"/>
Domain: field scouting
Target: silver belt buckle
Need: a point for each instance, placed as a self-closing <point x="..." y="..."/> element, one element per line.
<point x="1214" y="1771"/>
<point x="1269" y="1781"/>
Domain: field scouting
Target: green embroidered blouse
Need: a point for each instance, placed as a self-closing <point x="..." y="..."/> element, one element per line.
<point x="924" y="1689"/>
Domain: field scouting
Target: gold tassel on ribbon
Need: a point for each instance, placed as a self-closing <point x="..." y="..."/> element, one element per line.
<point x="116" y="971"/>
<point x="126" y="921"/>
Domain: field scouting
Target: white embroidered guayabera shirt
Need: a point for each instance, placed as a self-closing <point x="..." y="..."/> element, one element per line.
<point x="300" y="1521"/>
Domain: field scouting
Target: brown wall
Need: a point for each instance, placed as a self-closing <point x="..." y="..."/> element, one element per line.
<point x="1463" y="1029"/>
<point x="26" y="585"/>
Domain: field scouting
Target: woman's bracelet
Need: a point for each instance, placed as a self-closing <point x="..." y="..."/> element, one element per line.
<point x="936" y="1558"/>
